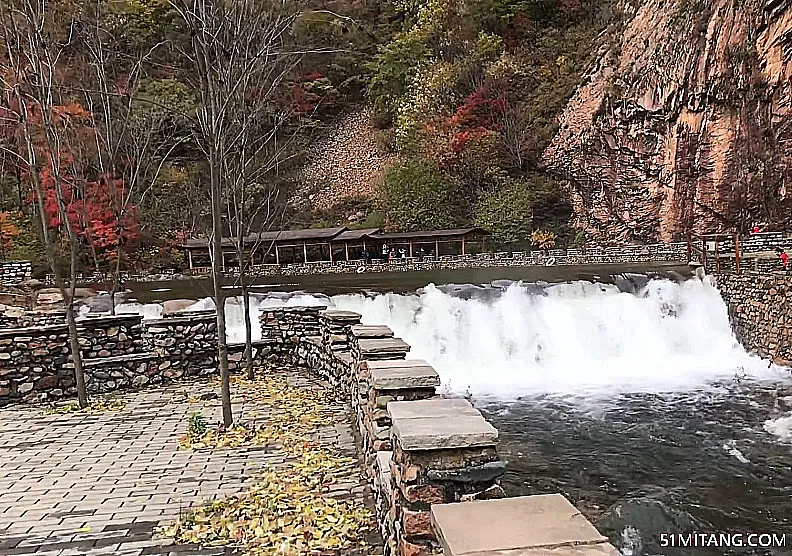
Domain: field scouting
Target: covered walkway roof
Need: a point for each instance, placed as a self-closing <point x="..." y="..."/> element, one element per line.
<point x="333" y="235"/>
<point x="454" y="233"/>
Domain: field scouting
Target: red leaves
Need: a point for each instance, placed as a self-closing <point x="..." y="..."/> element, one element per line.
<point x="95" y="211"/>
<point x="303" y="102"/>
<point x="479" y="110"/>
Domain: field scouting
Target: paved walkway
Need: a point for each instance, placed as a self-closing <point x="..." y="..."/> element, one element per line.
<point x="121" y="474"/>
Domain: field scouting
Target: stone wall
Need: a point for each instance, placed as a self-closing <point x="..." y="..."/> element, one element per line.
<point x="655" y="253"/>
<point x="13" y="273"/>
<point x="659" y="253"/>
<point x="27" y="319"/>
<point x="760" y="310"/>
<point x="118" y="352"/>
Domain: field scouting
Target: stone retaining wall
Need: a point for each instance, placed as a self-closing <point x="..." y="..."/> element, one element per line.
<point x="118" y="352"/>
<point x="760" y="310"/>
<point x="13" y="273"/>
<point x="660" y="253"/>
<point x="27" y="319"/>
<point x="419" y="449"/>
<point x="655" y="253"/>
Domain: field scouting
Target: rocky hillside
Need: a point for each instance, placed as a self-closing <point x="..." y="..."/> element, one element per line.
<point x="685" y="121"/>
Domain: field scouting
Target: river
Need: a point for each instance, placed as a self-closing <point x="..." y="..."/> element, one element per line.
<point x="630" y="396"/>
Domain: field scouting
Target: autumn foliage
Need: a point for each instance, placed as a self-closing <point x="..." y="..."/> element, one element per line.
<point x="9" y="231"/>
<point x="94" y="205"/>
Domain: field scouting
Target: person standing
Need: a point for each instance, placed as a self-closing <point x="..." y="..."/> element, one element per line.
<point x="782" y="254"/>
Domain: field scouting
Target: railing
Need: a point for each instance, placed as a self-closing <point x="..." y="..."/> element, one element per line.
<point x="737" y="253"/>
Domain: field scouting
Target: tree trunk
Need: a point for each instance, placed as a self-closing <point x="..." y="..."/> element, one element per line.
<point x="219" y="295"/>
<point x="248" y="331"/>
<point x="74" y="344"/>
<point x="243" y="264"/>
<point x="116" y="284"/>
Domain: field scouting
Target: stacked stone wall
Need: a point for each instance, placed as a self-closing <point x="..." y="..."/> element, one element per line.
<point x="760" y="310"/>
<point x="28" y="319"/>
<point x="13" y="273"/>
<point x="595" y="255"/>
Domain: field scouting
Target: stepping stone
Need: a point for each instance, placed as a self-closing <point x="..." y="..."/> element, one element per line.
<point x="422" y="409"/>
<point x="403" y="375"/>
<point x="336" y="314"/>
<point x="455" y="430"/>
<point x="371" y="331"/>
<point x="545" y="525"/>
<point x="382" y="346"/>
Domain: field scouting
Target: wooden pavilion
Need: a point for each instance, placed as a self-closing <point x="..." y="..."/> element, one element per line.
<point x="334" y="244"/>
<point x="459" y="241"/>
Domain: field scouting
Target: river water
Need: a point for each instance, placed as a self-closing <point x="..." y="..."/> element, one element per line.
<point x="632" y="398"/>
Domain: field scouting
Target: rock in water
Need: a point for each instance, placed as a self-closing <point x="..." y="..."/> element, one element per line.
<point x="634" y="524"/>
<point x="177" y="305"/>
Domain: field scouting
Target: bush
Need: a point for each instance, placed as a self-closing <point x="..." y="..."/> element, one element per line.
<point x="543" y="239"/>
<point x="419" y="197"/>
<point x="506" y="213"/>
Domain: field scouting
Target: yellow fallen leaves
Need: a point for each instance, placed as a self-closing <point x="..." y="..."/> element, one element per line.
<point x="94" y="406"/>
<point x="281" y="515"/>
<point x="284" y="514"/>
<point x="235" y="437"/>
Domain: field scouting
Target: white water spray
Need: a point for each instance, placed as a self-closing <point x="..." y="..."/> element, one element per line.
<point x="580" y="338"/>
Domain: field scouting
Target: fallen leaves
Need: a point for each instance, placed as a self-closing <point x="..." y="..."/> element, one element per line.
<point x="284" y="514"/>
<point x="96" y="405"/>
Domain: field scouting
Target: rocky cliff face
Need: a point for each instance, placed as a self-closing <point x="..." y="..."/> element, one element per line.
<point x="685" y="122"/>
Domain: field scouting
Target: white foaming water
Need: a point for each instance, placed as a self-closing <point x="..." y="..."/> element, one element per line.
<point x="147" y="310"/>
<point x="234" y="310"/>
<point x="781" y="427"/>
<point x="581" y="338"/>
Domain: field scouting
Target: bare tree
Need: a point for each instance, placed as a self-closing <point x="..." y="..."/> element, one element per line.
<point x="236" y="54"/>
<point x="134" y="136"/>
<point x="33" y="63"/>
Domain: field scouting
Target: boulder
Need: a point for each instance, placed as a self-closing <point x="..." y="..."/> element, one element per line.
<point x="177" y="305"/>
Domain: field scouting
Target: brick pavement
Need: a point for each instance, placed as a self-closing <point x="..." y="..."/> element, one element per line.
<point x="122" y="475"/>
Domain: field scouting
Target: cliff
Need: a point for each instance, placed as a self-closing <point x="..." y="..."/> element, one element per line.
<point x="684" y="122"/>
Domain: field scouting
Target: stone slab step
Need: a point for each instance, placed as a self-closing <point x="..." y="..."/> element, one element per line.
<point x="371" y="331"/>
<point x="544" y="525"/>
<point x="415" y="374"/>
<point x="422" y="409"/>
<point x="338" y="315"/>
<point x="381" y="346"/>
<point x="460" y="430"/>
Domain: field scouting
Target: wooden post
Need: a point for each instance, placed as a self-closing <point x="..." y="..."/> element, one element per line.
<point x="717" y="256"/>
<point x="277" y="255"/>
<point x="411" y="249"/>
<point x="346" y="250"/>
<point x="737" y="253"/>
<point x="437" y="248"/>
<point x="305" y="252"/>
<point x="463" y="245"/>
<point x="189" y="258"/>
<point x="330" y="247"/>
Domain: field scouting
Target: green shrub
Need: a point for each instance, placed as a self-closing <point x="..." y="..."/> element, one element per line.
<point x="419" y="197"/>
<point x="506" y="213"/>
